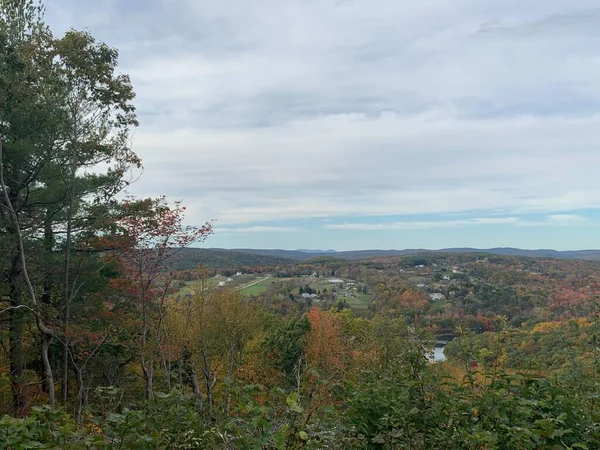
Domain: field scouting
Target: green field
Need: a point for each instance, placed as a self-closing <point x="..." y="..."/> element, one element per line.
<point x="257" y="284"/>
<point x="259" y="287"/>
<point x="237" y="282"/>
<point x="359" y="303"/>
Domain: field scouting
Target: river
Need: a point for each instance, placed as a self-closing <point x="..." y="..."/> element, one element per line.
<point x="438" y="351"/>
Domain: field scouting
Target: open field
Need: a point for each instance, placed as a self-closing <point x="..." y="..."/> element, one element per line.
<point x="359" y="303"/>
<point x="258" y="286"/>
<point x="237" y="282"/>
<point x="254" y="284"/>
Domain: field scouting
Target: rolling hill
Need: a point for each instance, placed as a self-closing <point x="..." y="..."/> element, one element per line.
<point x="301" y="255"/>
<point x="216" y="258"/>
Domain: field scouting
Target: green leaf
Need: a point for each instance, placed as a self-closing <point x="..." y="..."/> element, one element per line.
<point x="292" y="402"/>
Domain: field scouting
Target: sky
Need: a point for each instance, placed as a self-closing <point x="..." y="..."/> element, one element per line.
<point x="355" y="124"/>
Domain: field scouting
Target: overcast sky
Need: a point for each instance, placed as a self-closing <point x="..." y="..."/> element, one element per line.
<point x="354" y="124"/>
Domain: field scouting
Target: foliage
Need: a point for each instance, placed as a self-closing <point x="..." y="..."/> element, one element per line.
<point x="91" y="309"/>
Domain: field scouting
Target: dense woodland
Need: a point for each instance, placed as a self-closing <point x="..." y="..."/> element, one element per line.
<point x="101" y="347"/>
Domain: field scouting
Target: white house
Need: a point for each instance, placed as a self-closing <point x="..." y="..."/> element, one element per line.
<point x="436" y="296"/>
<point x="221" y="283"/>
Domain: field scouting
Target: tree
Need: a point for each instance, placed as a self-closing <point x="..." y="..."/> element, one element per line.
<point x="285" y="346"/>
<point x="146" y="235"/>
<point x="211" y="330"/>
<point x="97" y="116"/>
<point x="325" y="350"/>
<point x="63" y="114"/>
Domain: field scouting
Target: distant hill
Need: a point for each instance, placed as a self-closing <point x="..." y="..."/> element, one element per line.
<point x="301" y="255"/>
<point x="297" y="255"/>
<point x="541" y="253"/>
<point x="217" y="258"/>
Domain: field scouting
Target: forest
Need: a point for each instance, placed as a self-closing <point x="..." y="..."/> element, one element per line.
<point x="114" y="335"/>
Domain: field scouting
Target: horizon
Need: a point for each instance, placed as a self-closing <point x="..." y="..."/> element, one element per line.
<point x="398" y="249"/>
<point x="373" y="125"/>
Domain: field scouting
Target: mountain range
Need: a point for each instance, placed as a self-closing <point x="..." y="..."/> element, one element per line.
<point x="301" y="255"/>
<point x="220" y="258"/>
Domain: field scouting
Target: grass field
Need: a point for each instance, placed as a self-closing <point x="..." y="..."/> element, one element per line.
<point x="359" y="303"/>
<point x="236" y="283"/>
<point x="256" y="284"/>
<point x="259" y="287"/>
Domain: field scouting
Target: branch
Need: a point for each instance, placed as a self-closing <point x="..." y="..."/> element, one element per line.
<point x="17" y="307"/>
<point x="11" y="211"/>
<point x="100" y="344"/>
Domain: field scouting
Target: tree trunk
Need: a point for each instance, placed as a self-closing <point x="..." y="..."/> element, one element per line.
<point x="147" y="369"/>
<point x="65" y="355"/>
<point x="230" y="368"/>
<point x="195" y="386"/>
<point x="17" y="363"/>
<point x="208" y="375"/>
<point x="67" y="291"/>
<point x="16" y="326"/>
<point x="80" y="394"/>
<point x="148" y="375"/>
<point x="48" y="275"/>
<point x="48" y="370"/>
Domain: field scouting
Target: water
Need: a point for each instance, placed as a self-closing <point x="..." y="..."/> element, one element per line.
<point x="438" y="352"/>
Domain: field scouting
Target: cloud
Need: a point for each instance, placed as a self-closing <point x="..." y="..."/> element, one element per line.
<point x="387" y="165"/>
<point x="255" y="229"/>
<point x="576" y="23"/>
<point x="260" y="111"/>
<point x="567" y="219"/>
<point x="421" y="225"/>
<point x="557" y="220"/>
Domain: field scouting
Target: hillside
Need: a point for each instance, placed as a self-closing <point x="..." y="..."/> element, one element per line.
<point x="301" y="255"/>
<point x="214" y="258"/>
<point x="218" y="258"/>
